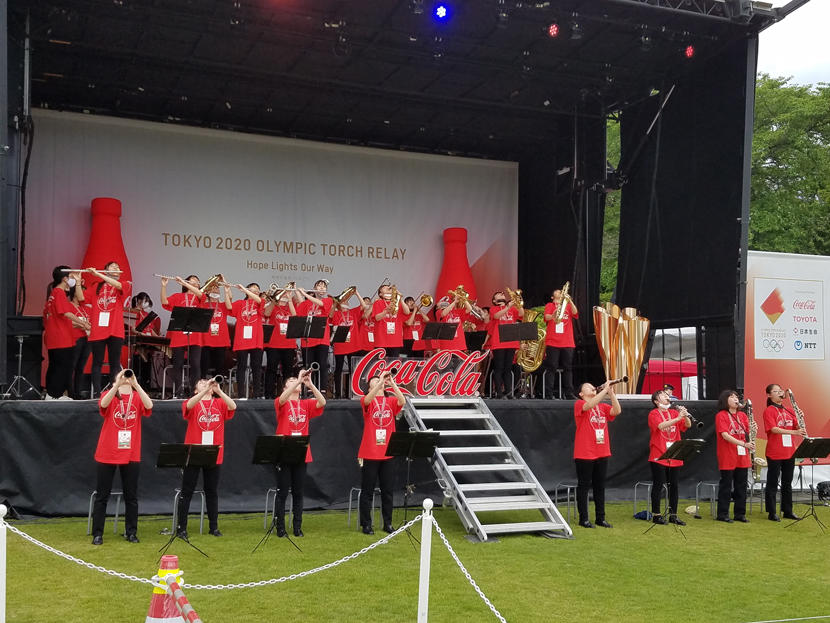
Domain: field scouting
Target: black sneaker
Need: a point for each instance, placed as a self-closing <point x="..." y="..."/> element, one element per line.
<point x="676" y="520"/>
<point x="388" y="528"/>
<point x="215" y="532"/>
<point x="604" y="524"/>
<point x="281" y="531"/>
<point x="774" y="517"/>
<point x="724" y="519"/>
<point x="298" y="531"/>
<point x="98" y="540"/>
<point x="659" y="519"/>
<point x="182" y="534"/>
<point x="586" y="524"/>
<point x="368" y="530"/>
<point x="131" y="538"/>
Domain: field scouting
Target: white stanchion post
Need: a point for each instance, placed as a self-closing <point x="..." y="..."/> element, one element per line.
<point x="426" y="549"/>
<point x="3" y="511"/>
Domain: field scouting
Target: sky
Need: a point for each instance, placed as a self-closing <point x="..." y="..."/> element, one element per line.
<point x="796" y="46"/>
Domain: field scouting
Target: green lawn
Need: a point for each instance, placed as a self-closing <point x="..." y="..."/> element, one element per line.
<point x="719" y="572"/>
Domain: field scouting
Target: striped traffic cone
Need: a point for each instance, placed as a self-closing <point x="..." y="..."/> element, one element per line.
<point x="162" y="606"/>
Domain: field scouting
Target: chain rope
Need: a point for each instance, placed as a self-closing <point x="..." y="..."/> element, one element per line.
<point x="465" y="572"/>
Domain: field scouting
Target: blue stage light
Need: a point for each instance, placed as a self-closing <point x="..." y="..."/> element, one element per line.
<point x="441" y="12"/>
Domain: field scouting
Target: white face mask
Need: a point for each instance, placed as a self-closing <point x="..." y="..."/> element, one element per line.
<point x="214" y="295"/>
<point x="71" y="282"/>
<point x="145" y="305"/>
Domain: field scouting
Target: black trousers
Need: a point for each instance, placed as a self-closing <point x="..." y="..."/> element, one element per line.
<point x="80" y="355"/>
<point x="783" y="468"/>
<point x="293" y="476"/>
<point x="556" y="358"/>
<point x="213" y="360"/>
<point x="502" y="367"/>
<point x="112" y="347"/>
<point x="590" y="474"/>
<point x="194" y="359"/>
<point x="242" y="356"/>
<point x="664" y="475"/>
<point x="129" y="482"/>
<point x="733" y="484"/>
<point x="210" y="482"/>
<point x="320" y="354"/>
<point x="374" y="472"/>
<point x="278" y="358"/>
<point x="59" y="371"/>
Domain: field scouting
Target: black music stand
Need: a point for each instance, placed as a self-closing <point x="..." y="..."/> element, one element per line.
<point x="146" y="322"/>
<point x="276" y="450"/>
<point x="412" y="445"/>
<point x="267" y="332"/>
<point x="475" y="339"/>
<point x="306" y="328"/>
<point x="440" y="330"/>
<point x="681" y="450"/>
<point x="190" y="320"/>
<point x="812" y="448"/>
<point x="183" y="455"/>
<point x="340" y="334"/>
<point x="518" y="331"/>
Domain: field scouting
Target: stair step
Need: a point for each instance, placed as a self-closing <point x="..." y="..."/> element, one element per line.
<point x="502" y="499"/>
<point x="480" y="507"/>
<point x="441" y="402"/>
<point x="486" y="467"/>
<point x="524" y="526"/>
<point x="453" y="414"/>
<point x="464" y="433"/>
<point x="496" y="486"/>
<point x="474" y="449"/>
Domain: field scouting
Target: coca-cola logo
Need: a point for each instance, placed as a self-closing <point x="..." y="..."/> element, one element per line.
<point x="207" y="420"/>
<point x="106" y="302"/>
<point x="249" y="314"/>
<point x="382" y="416"/>
<point x="124" y="416"/>
<point x="447" y="373"/>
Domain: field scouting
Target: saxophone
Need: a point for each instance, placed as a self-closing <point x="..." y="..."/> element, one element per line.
<point x="799" y="414"/>
<point x="753" y="433"/>
<point x="559" y="316"/>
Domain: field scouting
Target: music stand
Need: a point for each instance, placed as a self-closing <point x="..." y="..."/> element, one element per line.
<point x="275" y="450"/>
<point x="812" y="448"/>
<point x="190" y="320"/>
<point x="267" y="332"/>
<point x="440" y="330"/>
<point x="305" y="328"/>
<point x="412" y="445"/>
<point x="475" y="339"/>
<point x="681" y="450"/>
<point x="20" y="385"/>
<point x="183" y="455"/>
<point x="340" y="334"/>
<point x="518" y="332"/>
<point x="146" y="322"/>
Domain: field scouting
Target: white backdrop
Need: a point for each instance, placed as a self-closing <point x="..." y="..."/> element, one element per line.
<point x="290" y="209"/>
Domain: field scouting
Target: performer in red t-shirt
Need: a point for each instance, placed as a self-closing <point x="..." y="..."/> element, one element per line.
<point x="293" y="417"/>
<point x="281" y="351"/>
<point x="559" y="344"/>
<point x="389" y="314"/>
<point x="379" y="415"/>
<point x="317" y="303"/>
<point x="59" y="319"/>
<point x="413" y="328"/>
<point x="80" y="330"/>
<point x="119" y="446"/>
<point x="592" y="447"/>
<point x="457" y="311"/>
<point x="248" y="338"/>
<point x="666" y="424"/>
<point x="503" y="311"/>
<point x="217" y="340"/>
<point x="366" y="328"/>
<point x="344" y="317"/>
<point x="184" y="342"/>
<point x="142" y="356"/>
<point x="781" y="426"/>
<point x="107" y="332"/>
<point x="206" y="412"/>
<point x="732" y="428"/>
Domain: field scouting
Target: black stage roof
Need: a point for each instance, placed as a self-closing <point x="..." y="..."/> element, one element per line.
<point x="489" y="82"/>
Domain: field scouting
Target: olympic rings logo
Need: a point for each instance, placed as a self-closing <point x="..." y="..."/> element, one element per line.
<point x="774" y="346"/>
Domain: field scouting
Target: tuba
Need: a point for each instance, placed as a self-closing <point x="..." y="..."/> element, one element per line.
<point x="531" y="353"/>
<point x="559" y="316"/>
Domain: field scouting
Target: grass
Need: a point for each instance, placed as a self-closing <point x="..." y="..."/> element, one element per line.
<point x="719" y="572"/>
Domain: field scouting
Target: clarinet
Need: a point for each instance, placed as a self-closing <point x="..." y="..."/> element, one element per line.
<point x="799" y="414"/>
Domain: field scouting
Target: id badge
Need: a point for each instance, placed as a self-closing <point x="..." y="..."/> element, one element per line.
<point x="787" y="440"/>
<point x="207" y="437"/>
<point x="296" y="433"/>
<point x="390" y="327"/>
<point x="349" y="336"/>
<point x="124" y="439"/>
<point x="104" y="319"/>
<point x="283" y="328"/>
<point x="214" y="328"/>
<point x="371" y="337"/>
<point x="560" y="327"/>
<point x="247" y="332"/>
<point x="415" y="336"/>
<point x="600" y="433"/>
<point x="380" y="436"/>
<point x="741" y="451"/>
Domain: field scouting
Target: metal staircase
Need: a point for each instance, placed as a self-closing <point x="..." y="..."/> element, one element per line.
<point x="480" y="469"/>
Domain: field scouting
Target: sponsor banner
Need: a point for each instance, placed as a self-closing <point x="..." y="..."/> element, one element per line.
<point x="789" y="319"/>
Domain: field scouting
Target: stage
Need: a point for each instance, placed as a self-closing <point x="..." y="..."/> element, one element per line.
<point x="47" y="466"/>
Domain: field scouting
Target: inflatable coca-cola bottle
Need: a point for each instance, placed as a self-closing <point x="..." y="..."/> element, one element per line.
<point x="455" y="270"/>
<point x="105" y="241"/>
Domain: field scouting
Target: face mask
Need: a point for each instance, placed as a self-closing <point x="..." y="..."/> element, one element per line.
<point x="71" y="282"/>
<point x="214" y="295"/>
<point x="146" y="305"/>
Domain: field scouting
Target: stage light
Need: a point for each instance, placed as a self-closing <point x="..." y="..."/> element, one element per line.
<point x="502" y="16"/>
<point x="553" y="30"/>
<point x="442" y="12"/>
<point x="645" y="43"/>
<point x="576" y="31"/>
<point x="416" y="6"/>
<point x="689" y="51"/>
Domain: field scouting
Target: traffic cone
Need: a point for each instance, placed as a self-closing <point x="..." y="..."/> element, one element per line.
<point x="162" y="606"/>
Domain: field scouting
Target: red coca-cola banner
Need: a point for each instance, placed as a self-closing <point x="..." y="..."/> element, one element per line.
<point x="447" y="373"/>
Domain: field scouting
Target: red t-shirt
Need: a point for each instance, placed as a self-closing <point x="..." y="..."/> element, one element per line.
<point x="777" y="446"/>
<point x="279" y="318"/>
<point x="293" y="418"/>
<point x="591" y="440"/>
<point x="348" y="318"/>
<point x="183" y="299"/>
<point x="728" y="453"/>
<point x="415" y="332"/>
<point x="559" y="334"/>
<point x="307" y="308"/>
<point x="662" y="439"/>
<point x="389" y="329"/>
<point x="218" y="334"/>
<point x="456" y="316"/>
<point x="511" y="316"/>
<point x="366" y="330"/>
<point x="108" y="311"/>
<point x="57" y="328"/>
<point x="120" y="439"/>
<point x="378" y="426"/>
<point x="81" y="311"/>
<point x="206" y="424"/>
<point x="248" y="334"/>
